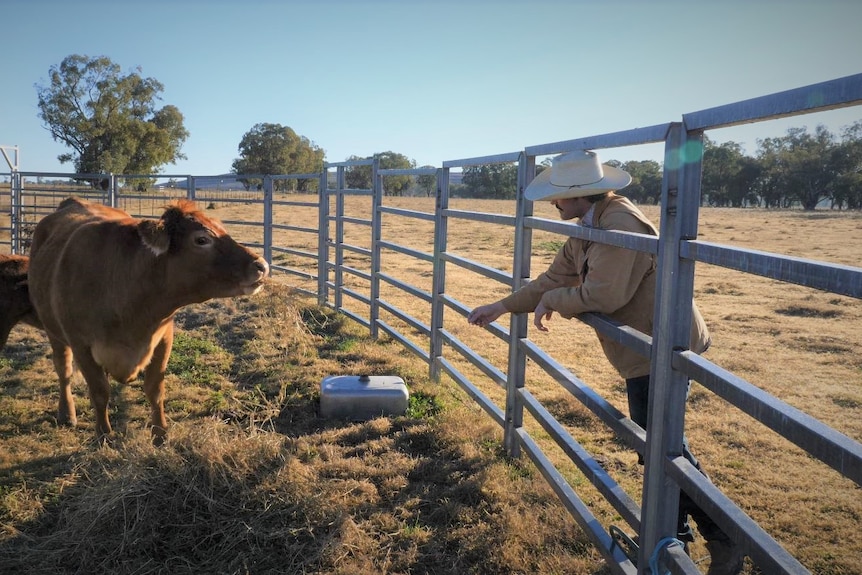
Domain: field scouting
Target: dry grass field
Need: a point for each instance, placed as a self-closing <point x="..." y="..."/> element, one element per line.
<point x="252" y="481"/>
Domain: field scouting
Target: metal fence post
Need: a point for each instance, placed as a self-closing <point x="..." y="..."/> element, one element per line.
<point x="322" y="236"/>
<point x="339" y="237"/>
<point x="112" y="190"/>
<point x="517" y="364"/>
<point x="438" y="273"/>
<point x="671" y="332"/>
<point x="15" y="211"/>
<point x="376" y="225"/>
<point x="267" y="218"/>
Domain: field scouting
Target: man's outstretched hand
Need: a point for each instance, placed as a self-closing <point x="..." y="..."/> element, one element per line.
<point x="485" y="314"/>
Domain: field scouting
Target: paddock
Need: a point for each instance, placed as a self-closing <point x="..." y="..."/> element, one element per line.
<point x="410" y="269"/>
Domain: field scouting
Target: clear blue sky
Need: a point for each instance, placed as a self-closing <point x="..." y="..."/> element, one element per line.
<point x="434" y="81"/>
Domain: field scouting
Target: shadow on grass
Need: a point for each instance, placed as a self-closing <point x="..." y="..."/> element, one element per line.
<point x="277" y="489"/>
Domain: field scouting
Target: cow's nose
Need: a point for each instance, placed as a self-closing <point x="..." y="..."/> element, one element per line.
<point x="261" y="266"/>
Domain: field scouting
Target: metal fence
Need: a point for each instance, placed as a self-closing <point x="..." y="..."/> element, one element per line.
<point x="341" y="259"/>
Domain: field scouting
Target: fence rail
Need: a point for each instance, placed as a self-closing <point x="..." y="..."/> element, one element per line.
<point x="343" y="261"/>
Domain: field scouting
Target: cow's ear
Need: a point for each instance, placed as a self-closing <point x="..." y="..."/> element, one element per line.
<point x="155" y="236"/>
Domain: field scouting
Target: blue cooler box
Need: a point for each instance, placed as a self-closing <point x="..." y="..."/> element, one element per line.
<point x="362" y="397"/>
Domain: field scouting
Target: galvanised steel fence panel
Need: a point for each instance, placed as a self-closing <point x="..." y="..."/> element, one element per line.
<point x="294" y="243"/>
<point x="635" y="137"/>
<point x="677" y="274"/>
<point x="384" y="248"/>
<point x="821" y="441"/>
<point x="346" y="224"/>
<point x="831" y="95"/>
<point x="836" y="278"/>
<point x="659" y="517"/>
<point x="33" y="197"/>
<point x="28" y="198"/>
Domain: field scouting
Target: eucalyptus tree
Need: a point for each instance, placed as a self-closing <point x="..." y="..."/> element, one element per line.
<point x="491" y="181"/>
<point x="729" y="176"/>
<point x="359" y="177"/>
<point x="645" y="187"/>
<point x="848" y="186"/>
<point x="427" y="184"/>
<point x="109" y="119"/>
<point x="273" y="149"/>
<point x="802" y="166"/>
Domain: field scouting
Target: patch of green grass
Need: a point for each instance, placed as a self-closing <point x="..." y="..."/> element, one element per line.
<point x="422" y="405"/>
<point x="846" y="401"/>
<point x="552" y="246"/>
<point x="520" y="469"/>
<point x="198" y="360"/>
<point x="346" y="343"/>
<point x="217" y="401"/>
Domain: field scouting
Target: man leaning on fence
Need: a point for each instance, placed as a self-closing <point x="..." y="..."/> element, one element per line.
<point x="618" y="282"/>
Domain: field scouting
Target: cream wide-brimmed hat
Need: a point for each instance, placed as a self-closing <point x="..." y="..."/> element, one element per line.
<point x="574" y="175"/>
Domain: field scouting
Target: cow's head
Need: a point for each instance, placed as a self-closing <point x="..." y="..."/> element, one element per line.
<point x="201" y="257"/>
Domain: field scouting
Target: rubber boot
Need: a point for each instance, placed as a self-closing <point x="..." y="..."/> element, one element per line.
<point x="726" y="557"/>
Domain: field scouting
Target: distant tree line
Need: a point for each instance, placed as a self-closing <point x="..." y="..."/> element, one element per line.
<point x="112" y="125"/>
<point x="798" y="169"/>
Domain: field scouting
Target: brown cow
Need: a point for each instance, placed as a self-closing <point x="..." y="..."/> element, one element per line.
<point x="106" y="287"/>
<point x="15" y="303"/>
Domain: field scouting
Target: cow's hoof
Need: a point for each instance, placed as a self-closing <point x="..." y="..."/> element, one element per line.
<point x="159" y="437"/>
<point x="64" y="420"/>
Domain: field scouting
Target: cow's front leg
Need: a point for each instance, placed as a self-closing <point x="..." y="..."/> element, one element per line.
<point x="99" y="388"/>
<point x="62" y="356"/>
<point x="154" y="384"/>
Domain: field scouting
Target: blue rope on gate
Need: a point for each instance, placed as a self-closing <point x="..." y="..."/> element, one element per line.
<point x="653" y="560"/>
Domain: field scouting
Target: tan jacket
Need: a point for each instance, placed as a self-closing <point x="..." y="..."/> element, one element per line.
<point x="618" y="282"/>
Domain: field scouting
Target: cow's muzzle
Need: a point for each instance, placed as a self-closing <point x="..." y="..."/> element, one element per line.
<point x="258" y="270"/>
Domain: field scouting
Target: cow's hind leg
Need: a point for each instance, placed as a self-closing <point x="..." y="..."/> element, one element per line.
<point x="154" y="385"/>
<point x="62" y="357"/>
<point x="5" y="329"/>
<point x="100" y="391"/>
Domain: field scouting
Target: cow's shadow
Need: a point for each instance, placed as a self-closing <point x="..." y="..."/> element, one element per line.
<point x="25" y="350"/>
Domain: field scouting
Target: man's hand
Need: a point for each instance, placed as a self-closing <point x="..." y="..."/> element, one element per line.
<point x="485" y="314"/>
<point x="542" y="313"/>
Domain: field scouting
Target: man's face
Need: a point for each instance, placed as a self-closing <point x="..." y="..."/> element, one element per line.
<point x="571" y="207"/>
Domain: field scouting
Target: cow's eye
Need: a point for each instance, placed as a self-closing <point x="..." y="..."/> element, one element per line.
<point x="203" y="240"/>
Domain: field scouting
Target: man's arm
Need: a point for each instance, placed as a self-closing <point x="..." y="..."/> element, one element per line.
<point x="613" y="275"/>
<point x="562" y="272"/>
